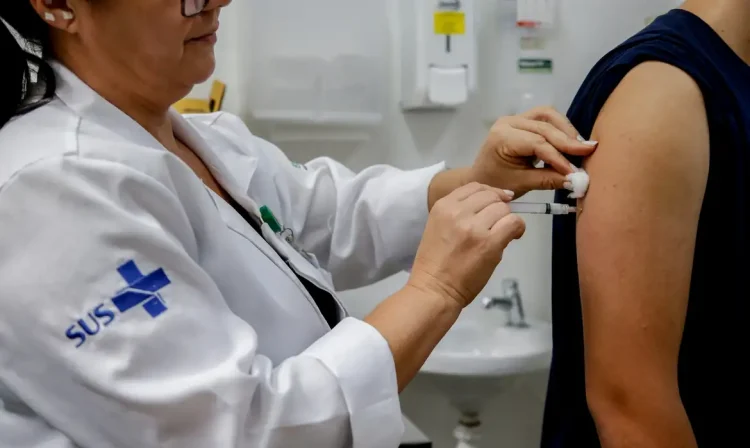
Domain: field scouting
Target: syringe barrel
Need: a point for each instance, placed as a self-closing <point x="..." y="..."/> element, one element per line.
<point x="541" y="208"/>
<point x="530" y="208"/>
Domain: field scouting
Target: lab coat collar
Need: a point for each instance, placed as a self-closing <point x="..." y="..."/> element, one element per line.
<point x="87" y="103"/>
<point x="190" y="136"/>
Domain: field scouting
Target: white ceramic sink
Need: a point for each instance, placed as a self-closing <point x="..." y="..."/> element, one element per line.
<point x="480" y="349"/>
<point x="480" y="358"/>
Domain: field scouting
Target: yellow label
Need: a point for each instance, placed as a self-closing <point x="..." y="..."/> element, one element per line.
<point x="449" y="22"/>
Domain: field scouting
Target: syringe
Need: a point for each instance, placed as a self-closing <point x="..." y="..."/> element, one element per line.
<point x="542" y="208"/>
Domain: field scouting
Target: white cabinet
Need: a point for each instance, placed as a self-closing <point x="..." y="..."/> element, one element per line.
<point x="318" y="62"/>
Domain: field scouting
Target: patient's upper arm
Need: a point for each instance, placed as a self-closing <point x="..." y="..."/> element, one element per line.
<point x="636" y="236"/>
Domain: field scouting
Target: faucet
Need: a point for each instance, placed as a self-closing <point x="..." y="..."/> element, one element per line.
<point x="511" y="297"/>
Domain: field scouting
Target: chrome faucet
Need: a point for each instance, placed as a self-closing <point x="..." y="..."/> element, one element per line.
<point x="511" y="298"/>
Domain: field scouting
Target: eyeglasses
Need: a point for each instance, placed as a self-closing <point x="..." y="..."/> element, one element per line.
<point x="191" y="8"/>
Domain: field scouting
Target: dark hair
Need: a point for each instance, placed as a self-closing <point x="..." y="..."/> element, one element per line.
<point x="18" y="94"/>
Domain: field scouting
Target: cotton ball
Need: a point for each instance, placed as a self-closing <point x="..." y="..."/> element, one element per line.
<point x="578" y="183"/>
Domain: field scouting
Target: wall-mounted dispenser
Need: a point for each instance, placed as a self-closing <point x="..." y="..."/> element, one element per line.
<point x="438" y="53"/>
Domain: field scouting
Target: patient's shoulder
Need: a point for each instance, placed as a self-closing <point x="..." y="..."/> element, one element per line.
<point x="654" y="104"/>
<point x="653" y="135"/>
<point x="654" y="80"/>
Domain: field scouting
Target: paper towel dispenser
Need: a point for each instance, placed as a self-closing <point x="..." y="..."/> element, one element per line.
<point x="438" y="53"/>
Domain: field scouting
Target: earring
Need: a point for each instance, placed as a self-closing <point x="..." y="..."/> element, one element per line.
<point x="48" y="16"/>
<point x="67" y="15"/>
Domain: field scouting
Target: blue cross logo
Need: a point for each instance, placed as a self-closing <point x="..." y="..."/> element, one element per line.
<point x="141" y="290"/>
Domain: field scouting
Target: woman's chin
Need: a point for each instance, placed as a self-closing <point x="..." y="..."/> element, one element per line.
<point x="201" y="69"/>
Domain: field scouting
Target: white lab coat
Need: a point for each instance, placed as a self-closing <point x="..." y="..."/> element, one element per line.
<point x="214" y="341"/>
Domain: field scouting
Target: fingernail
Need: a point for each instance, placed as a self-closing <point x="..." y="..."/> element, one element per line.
<point x="587" y="142"/>
<point x="574" y="168"/>
<point x="568" y="186"/>
<point x="48" y="16"/>
<point x="510" y="193"/>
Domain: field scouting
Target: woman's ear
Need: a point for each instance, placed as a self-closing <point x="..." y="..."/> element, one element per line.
<point x="57" y="13"/>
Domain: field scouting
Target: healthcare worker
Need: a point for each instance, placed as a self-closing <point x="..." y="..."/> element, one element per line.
<point x="170" y="281"/>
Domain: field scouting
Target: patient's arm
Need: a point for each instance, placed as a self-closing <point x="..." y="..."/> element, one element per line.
<point x="636" y="238"/>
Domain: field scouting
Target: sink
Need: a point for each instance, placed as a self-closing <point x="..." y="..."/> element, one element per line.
<point x="480" y="358"/>
<point x="486" y="353"/>
<point x="479" y="349"/>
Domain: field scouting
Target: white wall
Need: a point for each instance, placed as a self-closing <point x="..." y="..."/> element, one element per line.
<point x="588" y="29"/>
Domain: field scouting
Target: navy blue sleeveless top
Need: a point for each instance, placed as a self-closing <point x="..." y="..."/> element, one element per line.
<point x="713" y="383"/>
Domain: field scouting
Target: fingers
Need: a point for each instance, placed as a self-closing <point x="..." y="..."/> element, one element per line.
<point x="582" y="148"/>
<point x="491" y="214"/>
<point x="545" y="179"/>
<point x="508" y="228"/>
<point x="553" y="117"/>
<point x="501" y="225"/>
<point x="551" y="157"/>
<point x="461" y="193"/>
<point x="556" y="129"/>
<point x="554" y="136"/>
<point x="551" y="133"/>
<point x="531" y="144"/>
<point x="470" y="189"/>
<point x="481" y="200"/>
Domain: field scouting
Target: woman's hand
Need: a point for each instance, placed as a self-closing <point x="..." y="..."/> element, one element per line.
<point x="463" y="242"/>
<point x="517" y="142"/>
<point x="466" y="234"/>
